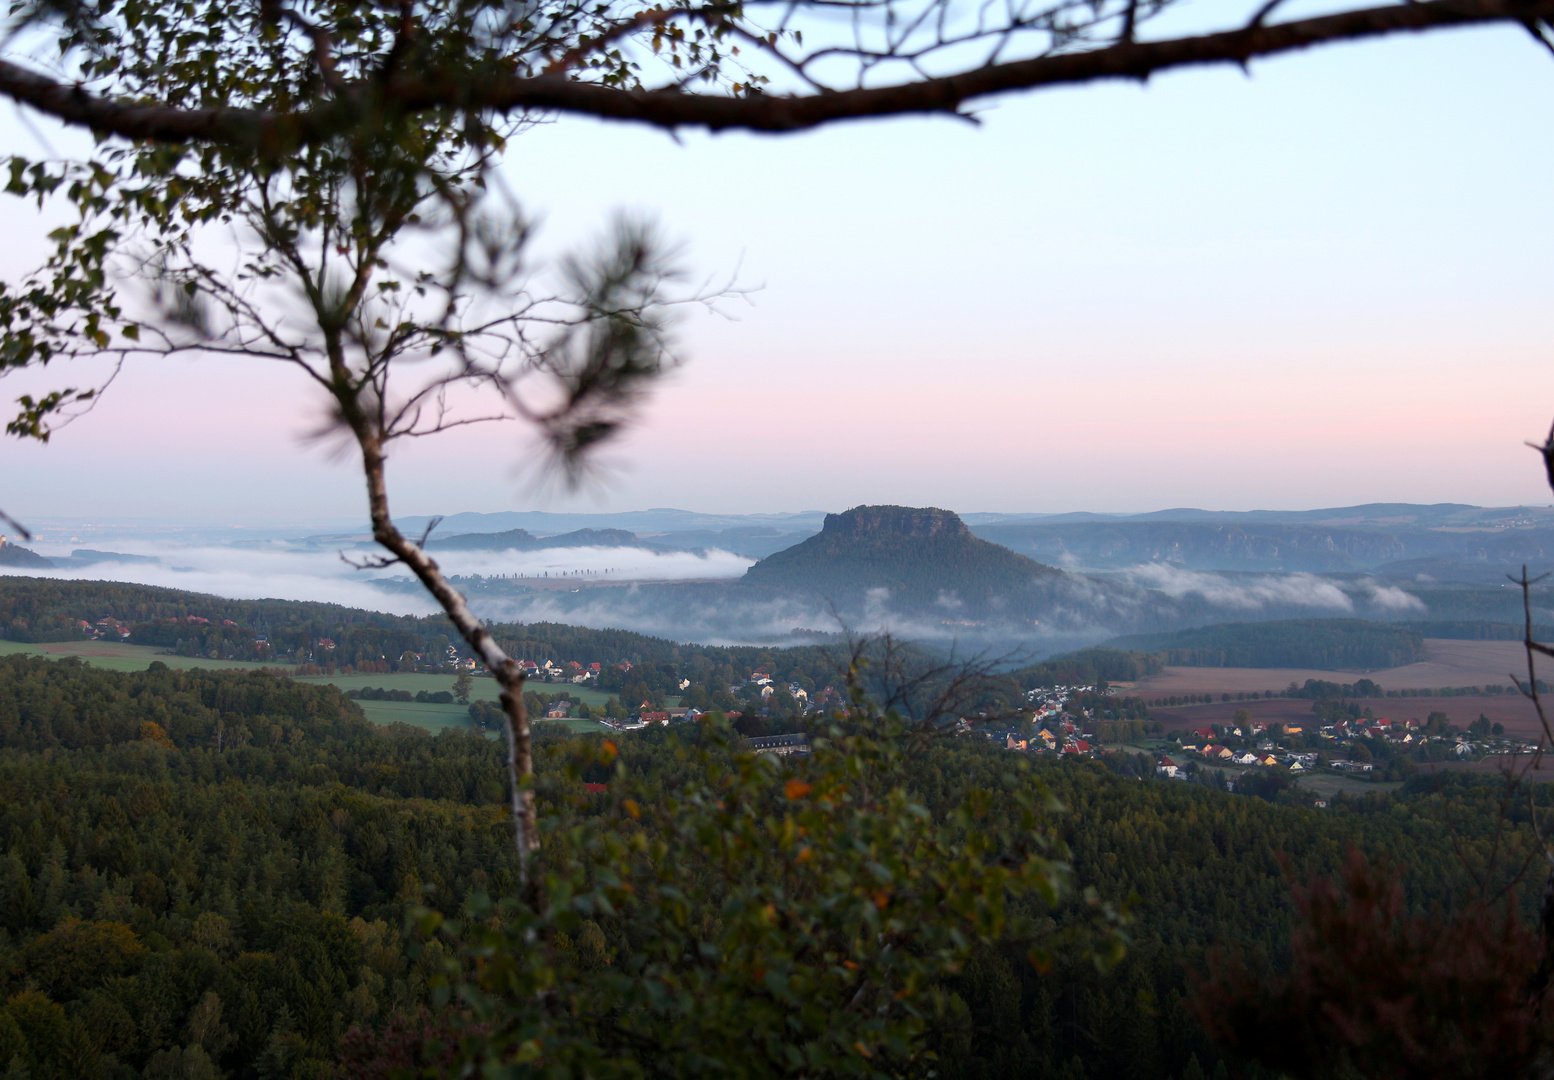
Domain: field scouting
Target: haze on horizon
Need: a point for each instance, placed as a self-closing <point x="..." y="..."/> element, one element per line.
<point x="1323" y="285"/>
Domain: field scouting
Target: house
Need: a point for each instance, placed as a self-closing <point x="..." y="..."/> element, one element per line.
<point x="558" y="711"/>
<point x="624" y="665"/>
<point x="528" y="667"/>
<point x="1291" y="729"/>
<point x="1245" y="759"/>
<point x="1462" y="749"/>
<point x="655" y="718"/>
<point x="1203" y="734"/>
<point x="1296" y="766"/>
<point x="1268" y="761"/>
<point x="594" y="789"/>
<point x="1011" y="743"/>
<point x="1048" y="739"/>
<point x="781" y="745"/>
<point x="1221" y="752"/>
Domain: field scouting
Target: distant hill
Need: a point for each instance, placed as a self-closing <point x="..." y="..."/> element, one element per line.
<point x="523" y="540"/>
<point x="920" y="555"/>
<point x="1406" y="551"/>
<point x="88" y="557"/>
<point x="1332" y="644"/>
<point x="12" y="555"/>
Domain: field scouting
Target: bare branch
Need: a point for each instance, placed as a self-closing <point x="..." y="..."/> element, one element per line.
<point x="416" y="91"/>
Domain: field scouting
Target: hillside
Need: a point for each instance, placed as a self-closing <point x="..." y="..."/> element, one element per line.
<point x="1399" y="548"/>
<point x="12" y="555"/>
<point x="217" y="868"/>
<point x="922" y="555"/>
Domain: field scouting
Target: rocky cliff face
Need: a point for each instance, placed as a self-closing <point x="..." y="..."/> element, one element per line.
<point x="896" y="521"/>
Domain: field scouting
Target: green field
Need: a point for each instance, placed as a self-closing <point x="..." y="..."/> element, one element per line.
<point x="116" y="656"/>
<point x="436" y="717"/>
<point x="433" y="717"/>
<point x="1327" y="784"/>
<point x="482" y="689"/>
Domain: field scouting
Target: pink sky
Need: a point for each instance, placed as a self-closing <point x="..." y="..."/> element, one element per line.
<point x="1324" y="285"/>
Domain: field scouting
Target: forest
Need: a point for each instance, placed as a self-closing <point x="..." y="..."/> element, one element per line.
<point x="287" y="631"/>
<point x="210" y="874"/>
<point x="1330" y="644"/>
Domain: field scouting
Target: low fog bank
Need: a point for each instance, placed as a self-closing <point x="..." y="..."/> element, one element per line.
<point x="1070" y="612"/>
<point x="250" y="573"/>
<point x="287" y="571"/>
<point x="698" y="596"/>
<point x="597" y="563"/>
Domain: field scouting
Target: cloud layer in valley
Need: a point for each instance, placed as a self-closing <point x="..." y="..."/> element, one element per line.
<point x="291" y="572"/>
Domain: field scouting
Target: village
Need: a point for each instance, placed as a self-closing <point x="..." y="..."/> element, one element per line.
<point x="1342" y="746"/>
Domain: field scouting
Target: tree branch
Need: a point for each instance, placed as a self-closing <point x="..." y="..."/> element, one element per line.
<point x="672" y="108"/>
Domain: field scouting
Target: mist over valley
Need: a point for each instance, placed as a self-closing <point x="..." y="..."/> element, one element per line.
<point x="1040" y="584"/>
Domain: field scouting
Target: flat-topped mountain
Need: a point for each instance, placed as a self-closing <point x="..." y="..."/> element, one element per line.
<point x="920" y="554"/>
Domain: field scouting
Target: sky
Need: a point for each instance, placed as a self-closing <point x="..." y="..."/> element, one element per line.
<point x="1322" y="284"/>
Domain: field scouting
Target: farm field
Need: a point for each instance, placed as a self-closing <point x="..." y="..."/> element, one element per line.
<point x="117" y="656"/>
<point x="482" y="689"/>
<point x="1446" y="663"/>
<point x="436" y="717"/>
<point x="1330" y="784"/>
<point x="1512" y="710"/>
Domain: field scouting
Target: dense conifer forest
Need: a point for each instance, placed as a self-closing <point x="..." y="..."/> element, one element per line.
<point x="208" y="874"/>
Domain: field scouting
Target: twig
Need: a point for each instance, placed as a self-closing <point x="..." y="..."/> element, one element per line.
<point x="17" y="525"/>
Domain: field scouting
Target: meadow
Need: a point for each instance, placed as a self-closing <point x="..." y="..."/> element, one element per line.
<point x="1447" y="662"/>
<point x="118" y="656"/>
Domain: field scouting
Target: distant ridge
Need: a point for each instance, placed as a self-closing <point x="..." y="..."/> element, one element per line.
<point x="12" y="555"/>
<point x="919" y="554"/>
<point x="523" y="540"/>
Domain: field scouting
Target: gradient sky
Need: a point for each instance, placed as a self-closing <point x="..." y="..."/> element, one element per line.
<point x="1325" y="284"/>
